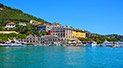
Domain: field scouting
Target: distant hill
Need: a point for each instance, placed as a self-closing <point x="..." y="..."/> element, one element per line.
<point x="8" y="14"/>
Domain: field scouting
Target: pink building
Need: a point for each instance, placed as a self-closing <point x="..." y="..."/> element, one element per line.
<point x="61" y="32"/>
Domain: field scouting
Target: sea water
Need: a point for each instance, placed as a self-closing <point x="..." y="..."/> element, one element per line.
<point x="61" y="57"/>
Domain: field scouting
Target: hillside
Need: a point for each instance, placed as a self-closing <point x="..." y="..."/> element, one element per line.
<point x="8" y="14"/>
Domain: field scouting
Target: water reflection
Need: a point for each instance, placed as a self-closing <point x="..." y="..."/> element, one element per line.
<point x="74" y="56"/>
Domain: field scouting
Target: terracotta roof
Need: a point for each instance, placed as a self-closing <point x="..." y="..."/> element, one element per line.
<point x="11" y="23"/>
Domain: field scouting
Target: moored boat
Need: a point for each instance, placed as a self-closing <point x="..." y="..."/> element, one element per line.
<point x="91" y="44"/>
<point x="11" y="43"/>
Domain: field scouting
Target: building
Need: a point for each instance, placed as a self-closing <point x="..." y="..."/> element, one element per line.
<point x="44" y="27"/>
<point x="56" y="25"/>
<point x="35" y="23"/>
<point x="58" y="30"/>
<point x="22" y="24"/>
<point x="78" y="34"/>
<point x="32" y="21"/>
<point x="1" y="9"/>
<point x="31" y="39"/>
<point x="10" y="25"/>
<point x="49" y="39"/>
<point x="65" y="33"/>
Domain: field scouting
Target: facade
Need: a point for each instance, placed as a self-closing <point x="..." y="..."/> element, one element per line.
<point x="78" y="34"/>
<point x="31" y="40"/>
<point x="67" y="32"/>
<point x="10" y="25"/>
<point x="61" y="32"/>
<point x="49" y="39"/>
<point x="44" y="27"/>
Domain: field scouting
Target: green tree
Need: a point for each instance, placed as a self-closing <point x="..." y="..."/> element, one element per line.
<point x="43" y="33"/>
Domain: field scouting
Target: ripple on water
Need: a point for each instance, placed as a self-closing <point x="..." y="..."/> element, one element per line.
<point x="61" y="57"/>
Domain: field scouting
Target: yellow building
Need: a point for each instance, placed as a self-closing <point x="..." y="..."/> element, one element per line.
<point x="78" y="34"/>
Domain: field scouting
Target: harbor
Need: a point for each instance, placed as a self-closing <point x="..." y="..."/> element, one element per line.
<point x="61" y="34"/>
<point x="55" y="42"/>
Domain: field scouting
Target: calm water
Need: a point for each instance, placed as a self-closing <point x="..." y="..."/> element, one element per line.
<point x="61" y="57"/>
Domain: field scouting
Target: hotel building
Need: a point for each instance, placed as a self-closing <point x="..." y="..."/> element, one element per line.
<point x="65" y="33"/>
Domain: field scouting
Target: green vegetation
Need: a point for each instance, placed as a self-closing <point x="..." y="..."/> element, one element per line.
<point x="99" y="39"/>
<point x="9" y="14"/>
<point x="43" y="33"/>
<point x="5" y="37"/>
<point x="26" y="30"/>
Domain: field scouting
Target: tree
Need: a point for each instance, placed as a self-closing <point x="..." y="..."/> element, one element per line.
<point x="5" y="37"/>
<point x="43" y="33"/>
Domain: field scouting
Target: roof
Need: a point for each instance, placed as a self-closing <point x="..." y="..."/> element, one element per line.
<point x="55" y="23"/>
<point x="11" y="23"/>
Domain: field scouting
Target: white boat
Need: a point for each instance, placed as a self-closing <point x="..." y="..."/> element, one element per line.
<point x="79" y="44"/>
<point x="11" y="43"/>
<point x="93" y="44"/>
<point x="112" y="44"/>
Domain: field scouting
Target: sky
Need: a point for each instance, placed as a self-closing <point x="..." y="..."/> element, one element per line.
<point x="97" y="16"/>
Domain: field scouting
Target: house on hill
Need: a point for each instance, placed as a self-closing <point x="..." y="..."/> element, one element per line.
<point x="10" y="25"/>
<point x="44" y="27"/>
<point x="22" y="24"/>
<point x="1" y="9"/>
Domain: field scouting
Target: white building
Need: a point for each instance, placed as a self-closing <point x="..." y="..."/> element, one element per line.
<point x="1" y="9"/>
<point x="10" y="25"/>
<point x="22" y="24"/>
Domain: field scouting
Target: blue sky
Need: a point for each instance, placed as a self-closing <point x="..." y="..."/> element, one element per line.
<point x="98" y="16"/>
